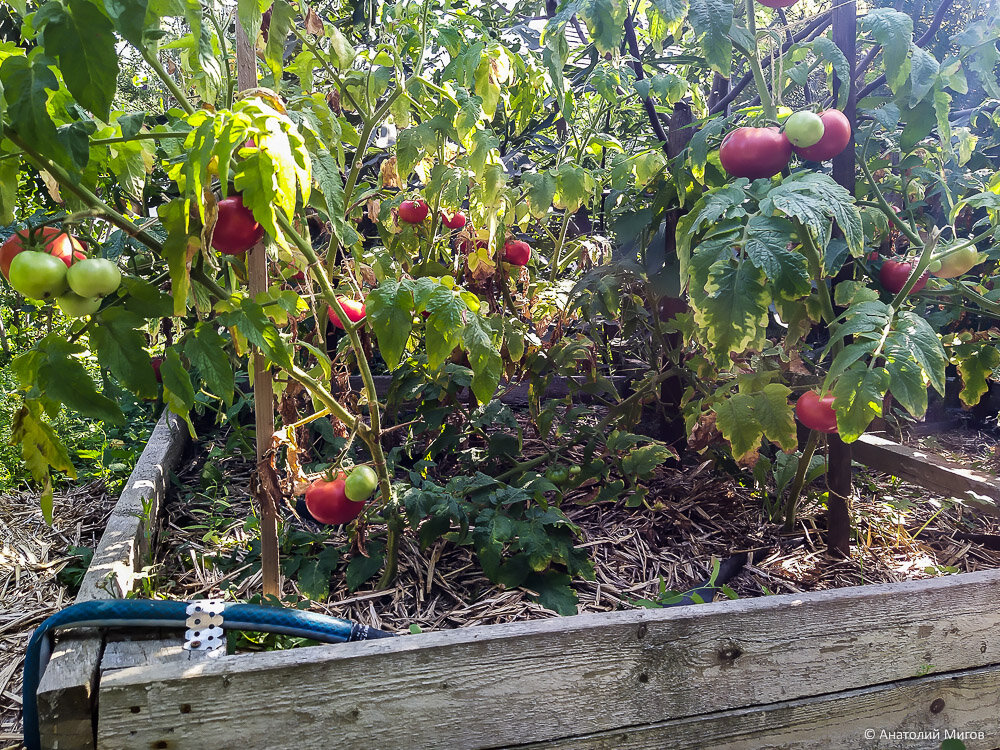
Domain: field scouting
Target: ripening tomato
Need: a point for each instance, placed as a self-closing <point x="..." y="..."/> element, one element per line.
<point x="517" y="252"/>
<point x="453" y="221"/>
<point x="816" y="413"/>
<point x="804" y="129"/>
<point x="51" y="240"/>
<point x="355" y="310"/>
<point x="958" y="262"/>
<point x="360" y="483"/>
<point x="755" y="152"/>
<point x="236" y="231"/>
<point x="328" y="503"/>
<point x="466" y="245"/>
<point x="413" y="212"/>
<point x="38" y="275"/>
<point x="836" y="136"/>
<point x="894" y="274"/>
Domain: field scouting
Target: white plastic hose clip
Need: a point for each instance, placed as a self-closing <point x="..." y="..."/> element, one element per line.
<point x="204" y="625"/>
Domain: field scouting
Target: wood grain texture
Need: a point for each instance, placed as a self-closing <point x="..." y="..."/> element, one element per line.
<point x="67" y="688"/>
<point x="545" y="680"/>
<point x="930" y="471"/>
<point x="914" y="714"/>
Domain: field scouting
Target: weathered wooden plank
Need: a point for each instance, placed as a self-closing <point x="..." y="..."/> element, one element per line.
<point x="66" y="691"/>
<point x="136" y="652"/>
<point x="914" y="714"/>
<point x="931" y="471"/>
<point x="559" y="677"/>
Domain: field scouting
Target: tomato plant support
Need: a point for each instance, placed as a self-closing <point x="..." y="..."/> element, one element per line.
<point x="263" y="386"/>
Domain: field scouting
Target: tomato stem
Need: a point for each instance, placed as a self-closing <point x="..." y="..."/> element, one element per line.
<point x="800" y="479"/>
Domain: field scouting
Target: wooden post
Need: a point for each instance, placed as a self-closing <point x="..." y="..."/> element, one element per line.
<point x="845" y="22"/>
<point x="263" y="388"/>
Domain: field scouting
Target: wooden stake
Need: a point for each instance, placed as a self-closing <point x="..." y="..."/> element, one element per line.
<point x="845" y="20"/>
<point x="263" y="387"/>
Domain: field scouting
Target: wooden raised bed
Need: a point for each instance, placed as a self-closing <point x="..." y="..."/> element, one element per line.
<point x="903" y="665"/>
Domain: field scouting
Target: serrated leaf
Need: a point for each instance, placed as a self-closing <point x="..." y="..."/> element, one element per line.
<point x="129" y="18"/>
<point x="734" y="310"/>
<point x="858" y="396"/>
<point x="121" y="349"/>
<point x="389" y="309"/>
<point x="827" y="50"/>
<point x="894" y="31"/>
<point x="40" y="447"/>
<point x="913" y="337"/>
<point x="26" y="82"/>
<point x="642" y="461"/>
<point x="574" y="186"/>
<point x="906" y="382"/>
<point x="736" y="421"/>
<point x="178" y="392"/>
<point x="766" y="240"/>
<point x="61" y="376"/>
<point x="412" y="145"/>
<point x="207" y="351"/>
<point x="362" y="569"/>
<point x="815" y="199"/>
<point x="924" y="70"/>
<point x="774" y="413"/>
<point x="541" y="190"/>
<point x="83" y="40"/>
<point x="711" y="20"/>
<point x="975" y="364"/>
<point x="554" y="592"/>
<point x="605" y="21"/>
<point x="487" y="365"/>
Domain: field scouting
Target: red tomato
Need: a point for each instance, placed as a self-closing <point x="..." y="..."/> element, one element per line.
<point x="51" y="240"/>
<point x="517" y="252"/>
<point x="755" y="152"/>
<point x="355" y="311"/>
<point x="413" y="212"/>
<point x="156" y="362"/>
<point x="816" y="413"/>
<point x="453" y="221"/>
<point x="894" y="274"/>
<point x="836" y="136"/>
<point x="235" y="229"/>
<point x="328" y="502"/>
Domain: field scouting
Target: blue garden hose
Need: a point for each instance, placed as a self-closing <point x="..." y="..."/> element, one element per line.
<point x="132" y="613"/>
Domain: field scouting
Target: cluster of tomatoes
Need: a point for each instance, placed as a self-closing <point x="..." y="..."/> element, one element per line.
<point x="48" y="263"/>
<point x="763" y="152"/>
<point x="515" y="252"/>
<point x="340" y="498"/>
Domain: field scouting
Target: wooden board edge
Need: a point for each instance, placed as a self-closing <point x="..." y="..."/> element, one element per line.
<point x="961" y="705"/>
<point x="67" y="690"/>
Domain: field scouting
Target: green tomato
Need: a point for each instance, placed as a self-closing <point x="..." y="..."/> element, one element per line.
<point x="360" y="483"/>
<point x="38" y="275"/>
<point x="956" y="263"/>
<point x="94" y="277"/>
<point x="804" y="129"/>
<point x="558" y="475"/>
<point x="75" y="306"/>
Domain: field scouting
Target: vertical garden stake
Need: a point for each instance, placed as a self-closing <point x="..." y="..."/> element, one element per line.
<point x="845" y="30"/>
<point x="263" y="388"/>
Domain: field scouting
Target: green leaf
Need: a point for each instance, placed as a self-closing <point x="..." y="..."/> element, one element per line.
<point x="924" y="69"/>
<point x="574" y="187"/>
<point x="412" y="145"/>
<point x="61" y="376"/>
<point x="711" y="20"/>
<point x="40" y="446"/>
<point x="914" y="338"/>
<point x="605" y="21"/>
<point x="906" y="382"/>
<point x="482" y="144"/>
<point x="733" y="314"/>
<point x="314" y="574"/>
<point x="766" y="240"/>
<point x="554" y="592"/>
<point x="83" y="40"/>
<point x="178" y="249"/>
<point x="250" y="13"/>
<point x="920" y="122"/>
<point x="815" y="199"/>
<point x="858" y="396"/>
<point x="487" y="366"/>
<point x="121" y="349"/>
<point x="342" y="53"/>
<point x="641" y="462"/>
<point x="894" y="31"/>
<point x="9" y="169"/>
<point x="737" y="423"/>
<point x="541" y="191"/>
<point x="672" y="12"/>
<point x="975" y="363"/>
<point x="827" y="50"/>
<point x="389" y="309"/>
<point x="773" y="411"/>
<point x="26" y="82"/>
<point x="178" y="393"/>
<point x="282" y="17"/>
<point x="362" y="569"/>
<point x="129" y="18"/>
<point x="206" y="350"/>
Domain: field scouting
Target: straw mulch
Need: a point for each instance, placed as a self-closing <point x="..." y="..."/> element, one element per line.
<point x="696" y="515"/>
<point x="32" y="554"/>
